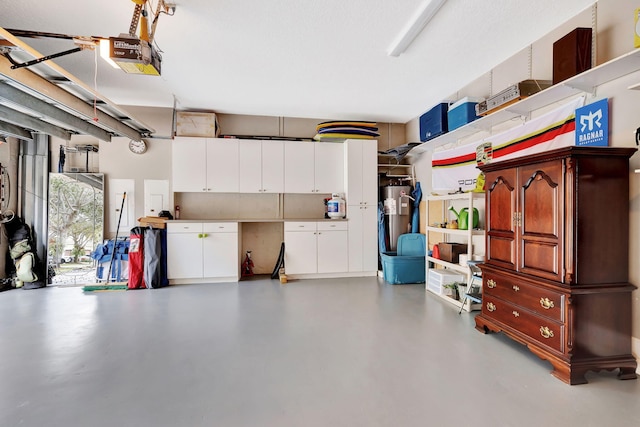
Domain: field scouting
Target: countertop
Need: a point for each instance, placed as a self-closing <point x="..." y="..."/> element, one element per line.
<point x="256" y="220"/>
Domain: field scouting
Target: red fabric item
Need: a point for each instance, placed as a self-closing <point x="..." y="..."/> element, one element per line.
<point x="435" y="254"/>
<point x="136" y="261"/>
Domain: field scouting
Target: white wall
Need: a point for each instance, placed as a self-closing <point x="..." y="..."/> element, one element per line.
<point x="614" y="38"/>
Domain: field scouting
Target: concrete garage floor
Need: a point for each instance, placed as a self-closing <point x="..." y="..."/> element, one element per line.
<point x="347" y="352"/>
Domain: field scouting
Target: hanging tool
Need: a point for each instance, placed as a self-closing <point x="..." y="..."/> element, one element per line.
<point x="115" y="240"/>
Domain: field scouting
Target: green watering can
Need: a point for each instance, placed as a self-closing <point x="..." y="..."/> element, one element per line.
<point x="463" y="217"/>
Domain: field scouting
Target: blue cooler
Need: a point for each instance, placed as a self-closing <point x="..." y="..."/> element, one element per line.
<point x="433" y="123"/>
<point x="462" y="112"/>
<point x="407" y="264"/>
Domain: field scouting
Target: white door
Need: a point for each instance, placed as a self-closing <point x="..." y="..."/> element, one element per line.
<point x="353" y="173"/>
<point x="184" y="255"/>
<point x="356" y="226"/>
<point x="250" y="171"/>
<point x="369" y="176"/>
<point x="273" y="166"/>
<point x="222" y="165"/>
<point x="369" y="238"/>
<point x="188" y="164"/>
<point x="300" y="252"/>
<point x="329" y="167"/>
<point x="333" y="256"/>
<point x="119" y="212"/>
<point x="221" y="255"/>
<point x="299" y="167"/>
<point x="156" y="196"/>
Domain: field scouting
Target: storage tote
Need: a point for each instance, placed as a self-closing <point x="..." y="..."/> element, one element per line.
<point x="407" y="265"/>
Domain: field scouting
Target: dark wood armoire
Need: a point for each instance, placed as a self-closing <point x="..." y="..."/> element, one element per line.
<point x="555" y="276"/>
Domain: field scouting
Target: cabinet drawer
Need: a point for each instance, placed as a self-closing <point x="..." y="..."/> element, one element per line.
<point x="220" y="227"/>
<point x="299" y="226"/>
<point x="535" y="298"/>
<point x="329" y="226"/>
<point x="184" y="227"/>
<point x="538" y="328"/>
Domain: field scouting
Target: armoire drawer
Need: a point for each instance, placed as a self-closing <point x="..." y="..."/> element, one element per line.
<point x="538" y="328"/>
<point x="535" y="298"/>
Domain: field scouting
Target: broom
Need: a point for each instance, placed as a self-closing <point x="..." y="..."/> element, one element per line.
<point x="107" y="286"/>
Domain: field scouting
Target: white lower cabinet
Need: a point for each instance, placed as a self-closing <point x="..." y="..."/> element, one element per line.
<point x="363" y="238"/>
<point x="206" y="250"/>
<point x="316" y="247"/>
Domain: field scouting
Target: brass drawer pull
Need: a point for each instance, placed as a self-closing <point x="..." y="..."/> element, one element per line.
<point x="546" y="303"/>
<point x="516" y="288"/>
<point x="491" y="306"/>
<point x="546" y="332"/>
<point x="515" y="313"/>
<point x="491" y="284"/>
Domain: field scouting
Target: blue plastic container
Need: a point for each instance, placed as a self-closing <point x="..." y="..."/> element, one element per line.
<point x="407" y="265"/>
<point x="434" y="122"/>
<point x="462" y="112"/>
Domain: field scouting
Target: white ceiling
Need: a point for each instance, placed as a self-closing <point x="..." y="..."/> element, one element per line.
<point x="296" y="58"/>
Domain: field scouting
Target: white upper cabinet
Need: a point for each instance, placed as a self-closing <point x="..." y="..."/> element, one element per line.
<point x="189" y="164"/>
<point x="361" y="185"/>
<point x="313" y="167"/>
<point x="329" y="167"/>
<point x="222" y="165"/>
<point x="205" y="165"/>
<point x="261" y="166"/>
<point x="299" y="167"/>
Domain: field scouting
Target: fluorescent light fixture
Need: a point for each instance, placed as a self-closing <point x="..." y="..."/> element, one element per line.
<point x="416" y="24"/>
<point x="105" y="52"/>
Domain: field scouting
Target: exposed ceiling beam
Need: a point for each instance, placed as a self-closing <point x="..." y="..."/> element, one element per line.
<point x="114" y="125"/>
<point x="58" y="95"/>
<point x="15" y="131"/>
<point x="29" y="122"/>
<point x="23" y="99"/>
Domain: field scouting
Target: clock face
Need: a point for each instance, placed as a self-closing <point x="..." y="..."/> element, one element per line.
<point x="137" y="147"/>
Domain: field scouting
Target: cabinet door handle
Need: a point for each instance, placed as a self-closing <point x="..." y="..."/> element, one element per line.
<point x="546" y="303"/>
<point x="491" y="306"/>
<point x="546" y="332"/>
<point x="491" y="284"/>
<point x="516" y="288"/>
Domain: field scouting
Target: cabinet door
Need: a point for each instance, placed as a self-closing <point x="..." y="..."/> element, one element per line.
<point x="363" y="238"/>
<point x="273" y="166"/>
<point x="250" y="170"/>
<point x="329" y="167"/>
<point x="502" y="189"/>
<point x="542" y="217"/>
<point x="220" y="255"/>
<point x="298" y="167"/>
<point x="189" y="164"/>
<point x="361" y="167"/>
<point x="370" y="173"/>
<point x="370" y="238"/>
<point x="184" y="255"/>
<point x="222" y="165"/>
<point x="333" y="252"/>
<point x="301" y="253"/>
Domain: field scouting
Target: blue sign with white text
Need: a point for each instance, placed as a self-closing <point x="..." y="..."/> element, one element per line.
<point x="592" y="124"/>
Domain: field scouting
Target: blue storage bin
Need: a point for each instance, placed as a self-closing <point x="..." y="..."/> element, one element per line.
<point x="407" y="265"/>
<point x="462" y="112"/>
<point x="434" y="122"/>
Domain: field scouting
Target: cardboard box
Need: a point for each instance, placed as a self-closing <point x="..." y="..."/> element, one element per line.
<point x="450" y="252"/>
<point x="196" y="124"/>
<point x="152" y="221"/>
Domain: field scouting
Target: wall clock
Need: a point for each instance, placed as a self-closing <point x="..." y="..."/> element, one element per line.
<point x="137" y="147"/>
